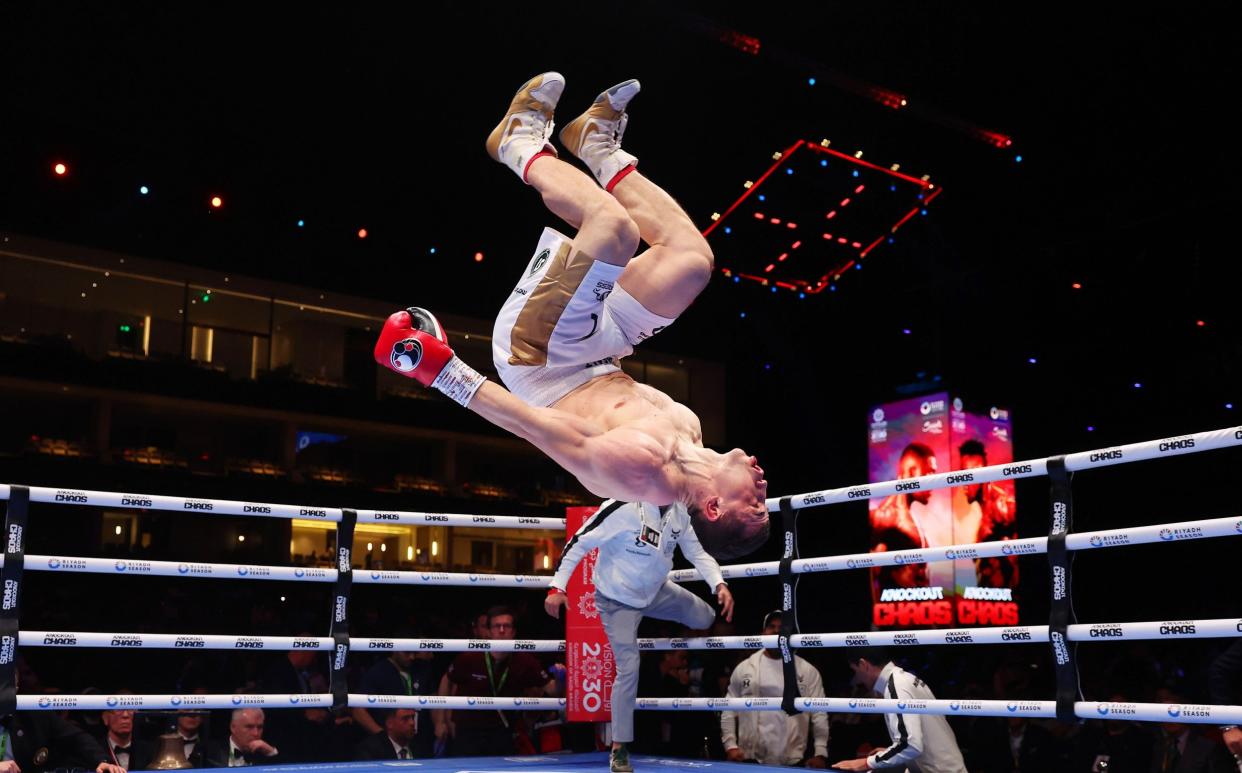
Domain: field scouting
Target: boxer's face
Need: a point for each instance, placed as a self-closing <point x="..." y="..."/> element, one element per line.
<point x="739" y="503"/>
<point x="914" y="466"/>
<point x="971" y="462"/>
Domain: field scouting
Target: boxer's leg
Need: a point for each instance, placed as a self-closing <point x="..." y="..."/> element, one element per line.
<point x="605" y="231"/>
<point x="520" y="142"/>
<point x="668" y="276"/>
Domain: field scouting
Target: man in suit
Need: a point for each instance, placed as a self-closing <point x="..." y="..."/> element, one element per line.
<point x="395" y="743"/>
<point x="1180" y="749"/>
<point x="189" y="723"/>
<point x="35" y="741"/>
<point x="119" y="743"/>
<point x="245" y="745"/>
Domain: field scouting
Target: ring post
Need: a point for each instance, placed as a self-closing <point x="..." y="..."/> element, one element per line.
<point x="15" y="517"/>
<point x="789" y="605"/>
<point x="1061" y="615"/>
<point x="340" y="609"/>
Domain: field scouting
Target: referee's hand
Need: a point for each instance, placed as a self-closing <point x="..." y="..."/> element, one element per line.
<point x="554" y="601"/>
<point x="726" y="602"/>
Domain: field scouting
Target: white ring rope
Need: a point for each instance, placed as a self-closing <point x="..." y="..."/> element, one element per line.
<point x="1089" y="540"/>
<point x="1103" y="457"/>
<point x="63" y="496"/>
<point x="1086" y="540"/>
<point x="266" y="510"/>
<point x="1030" y="634"/>
<point x="1143" y="712"/>
<point x="466" y="579"/>
<point x="449" y="519"/>
<point x="177" y="569"/>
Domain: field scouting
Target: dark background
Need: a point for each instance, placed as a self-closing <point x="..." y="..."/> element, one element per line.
<point x="374" y="116"/>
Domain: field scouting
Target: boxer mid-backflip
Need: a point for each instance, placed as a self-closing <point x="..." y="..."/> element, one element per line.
<point x="580" y="305"/>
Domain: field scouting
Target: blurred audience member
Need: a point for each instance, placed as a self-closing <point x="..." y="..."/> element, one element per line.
<point x="394" y="743"/>
<point x="245" y="744"/>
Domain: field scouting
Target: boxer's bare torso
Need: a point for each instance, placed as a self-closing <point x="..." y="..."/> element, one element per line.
<point x="636" y="413"/>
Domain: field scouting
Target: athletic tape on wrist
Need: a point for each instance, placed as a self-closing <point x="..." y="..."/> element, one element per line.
<point x="458" y="381"/>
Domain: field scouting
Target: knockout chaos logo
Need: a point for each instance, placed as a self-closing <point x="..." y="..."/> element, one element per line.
<point x="15" y="539"/>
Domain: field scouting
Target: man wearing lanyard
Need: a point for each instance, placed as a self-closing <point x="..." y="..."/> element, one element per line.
<point x="500" y="674"/>
<point x="401" y="673"/>
<point x="636" y="542"/>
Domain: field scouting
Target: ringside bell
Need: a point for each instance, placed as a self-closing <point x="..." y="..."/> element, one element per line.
<point x="170" y="755"/>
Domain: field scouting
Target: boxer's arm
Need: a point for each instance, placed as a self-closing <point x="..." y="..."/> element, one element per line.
<point x="619" y="464"/>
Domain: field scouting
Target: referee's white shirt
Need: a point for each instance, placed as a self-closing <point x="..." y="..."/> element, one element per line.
<point x="922" y="743"/>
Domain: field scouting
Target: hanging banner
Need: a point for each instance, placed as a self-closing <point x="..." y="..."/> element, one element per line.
<point x="589" y="663"/>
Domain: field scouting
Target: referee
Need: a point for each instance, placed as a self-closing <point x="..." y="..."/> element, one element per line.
<point x="636" y="542"/>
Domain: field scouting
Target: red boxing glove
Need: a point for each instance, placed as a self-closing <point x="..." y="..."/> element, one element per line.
<point x="413" y="343"/>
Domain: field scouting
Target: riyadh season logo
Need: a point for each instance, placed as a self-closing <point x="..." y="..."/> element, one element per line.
<point x="45" y="702"/>
<point x="54" y="563"/>
<point x="299" y="573"/>
<point x="1175" y="711"/>
<point x="954" y="705"/>
<point x="1102" y="709"/>
<point x="853" y="703"/>
<point x="175" y="700"/>
<point x="1097" y="541"/>
<point x="183" y="568"/>
<point x="237" y="700"/>
<point x="111" y="701"/>
<point x="120" y="566"/>
<point x="878" y="415"/>
<point x="1011" y="706"/>
<point x="957" y="404"/>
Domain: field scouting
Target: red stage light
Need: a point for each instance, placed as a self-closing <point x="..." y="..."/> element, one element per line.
<point x="60" y="169"/>
<point x="1077" y="285"/>
<point x="478" y="257"/>
<point x="362" y="233"/>
<point x="217" y="202"/>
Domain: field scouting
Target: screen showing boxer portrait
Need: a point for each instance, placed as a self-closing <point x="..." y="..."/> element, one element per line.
<point x="923" y="436"/>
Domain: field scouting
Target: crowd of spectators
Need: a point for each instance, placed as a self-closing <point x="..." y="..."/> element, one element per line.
<point x="126" y="739"/>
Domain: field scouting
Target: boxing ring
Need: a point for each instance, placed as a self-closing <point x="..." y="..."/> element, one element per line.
<point x="1060" y="633"/>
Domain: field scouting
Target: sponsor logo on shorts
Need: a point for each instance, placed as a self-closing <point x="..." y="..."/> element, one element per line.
<point x="540" y="260"/>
